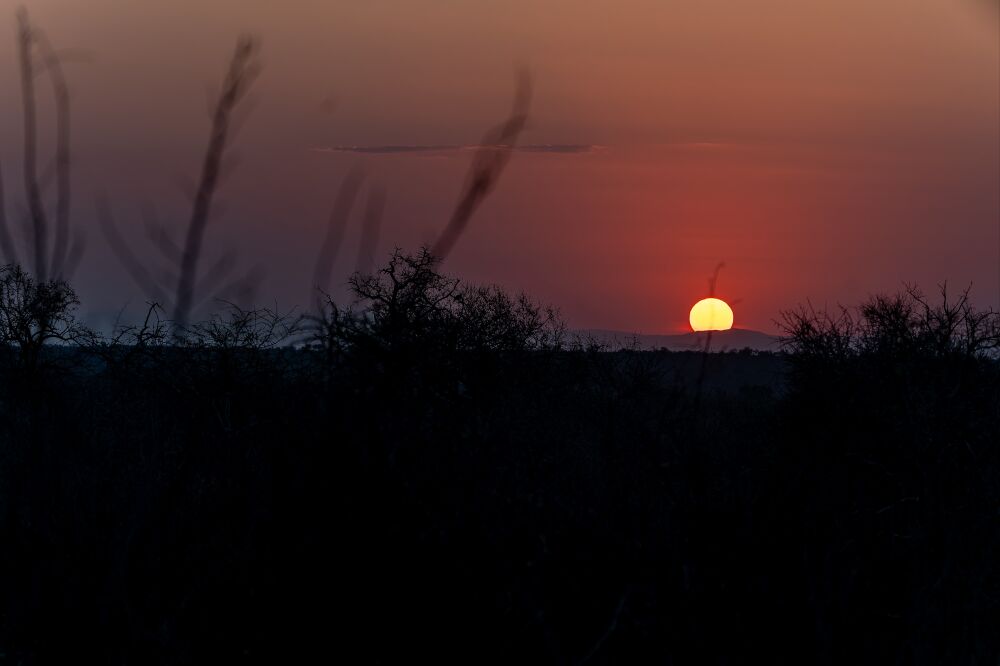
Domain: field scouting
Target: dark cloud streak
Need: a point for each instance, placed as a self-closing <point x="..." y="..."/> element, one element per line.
<point x="554" y="148"/>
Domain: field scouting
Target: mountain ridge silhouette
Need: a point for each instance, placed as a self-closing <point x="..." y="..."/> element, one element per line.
<point x="732" y="339"/>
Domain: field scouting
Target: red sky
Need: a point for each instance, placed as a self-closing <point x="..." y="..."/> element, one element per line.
<point x="822" y="149"/>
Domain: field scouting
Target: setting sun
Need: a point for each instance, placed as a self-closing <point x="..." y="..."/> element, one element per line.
<point x="711" y="314"/>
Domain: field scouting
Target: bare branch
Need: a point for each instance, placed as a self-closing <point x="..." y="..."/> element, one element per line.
<point x="488" y="165"/>
<point x="60" y="91"/>
<point x="714" y="280"/>
<point x="6" y="241"/>
<point x="342" y="205"/>
<point x="239" y="289"/>
<point x="159" y="236"/>
<point x="121" y="249"/>
<point x="218" y="272"/>
<point x="76" y="249"/>
<point x="26" y="41"/>
<point x="243" y="69"/>
<point x="371" y="230"/>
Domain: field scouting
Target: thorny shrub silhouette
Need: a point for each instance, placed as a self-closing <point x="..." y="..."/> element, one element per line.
<point x="438" y="469"/>
<point x="33" y="314"/>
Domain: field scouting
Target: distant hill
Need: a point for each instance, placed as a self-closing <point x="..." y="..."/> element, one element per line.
<point x="733" y="339"/>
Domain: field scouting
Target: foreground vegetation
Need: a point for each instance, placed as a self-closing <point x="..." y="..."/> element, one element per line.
<point x="439" y="471"/>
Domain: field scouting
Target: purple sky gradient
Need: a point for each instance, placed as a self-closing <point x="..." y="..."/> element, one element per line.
<point x="823" y="149"/>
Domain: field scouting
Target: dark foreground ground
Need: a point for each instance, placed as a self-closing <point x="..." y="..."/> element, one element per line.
<point x="436" y="474"/>
<point x="560" y="507"/>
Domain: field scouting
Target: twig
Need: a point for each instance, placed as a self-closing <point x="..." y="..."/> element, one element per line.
<point x="60" y="91"/>
<point x="341" y="211"/>
<point x="34" y="197"/>
<point x="487" y="166"/>
<point x="371" y="230"/>
<point x="6" y="241"/>
<point x="242" y="71"/>
<point x="608" y="631"/>
<point x="121" y="249"/>
<point x="712" y="282"/>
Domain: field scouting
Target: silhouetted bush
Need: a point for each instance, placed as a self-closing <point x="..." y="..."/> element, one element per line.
<point x="33" y="314"/>
<point x="890" y="426"/>
<point x="409" y="304"/>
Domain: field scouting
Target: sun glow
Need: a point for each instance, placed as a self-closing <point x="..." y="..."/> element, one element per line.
<point x="711" y="314"/>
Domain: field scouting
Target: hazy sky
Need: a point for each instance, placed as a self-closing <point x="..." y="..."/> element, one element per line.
<point x="823" y="149"/>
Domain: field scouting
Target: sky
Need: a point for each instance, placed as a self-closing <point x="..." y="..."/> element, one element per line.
<point x="823" y="150"/>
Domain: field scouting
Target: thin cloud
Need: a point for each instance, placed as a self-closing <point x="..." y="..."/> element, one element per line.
<point x="561" y="148"/>
<point x="389" y="150"/>
<point x="553" y="148"/>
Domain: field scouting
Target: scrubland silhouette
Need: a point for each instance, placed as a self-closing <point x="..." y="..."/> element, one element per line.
<point x="434" y="470"/>
<point x="440" y="469"/>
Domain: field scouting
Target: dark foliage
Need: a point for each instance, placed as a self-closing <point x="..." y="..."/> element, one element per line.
<point x="437" y="472"/>
<point x="33" y="314"/>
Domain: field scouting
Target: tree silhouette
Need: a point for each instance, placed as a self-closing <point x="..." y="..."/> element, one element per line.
<point x="34" y="314"/>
